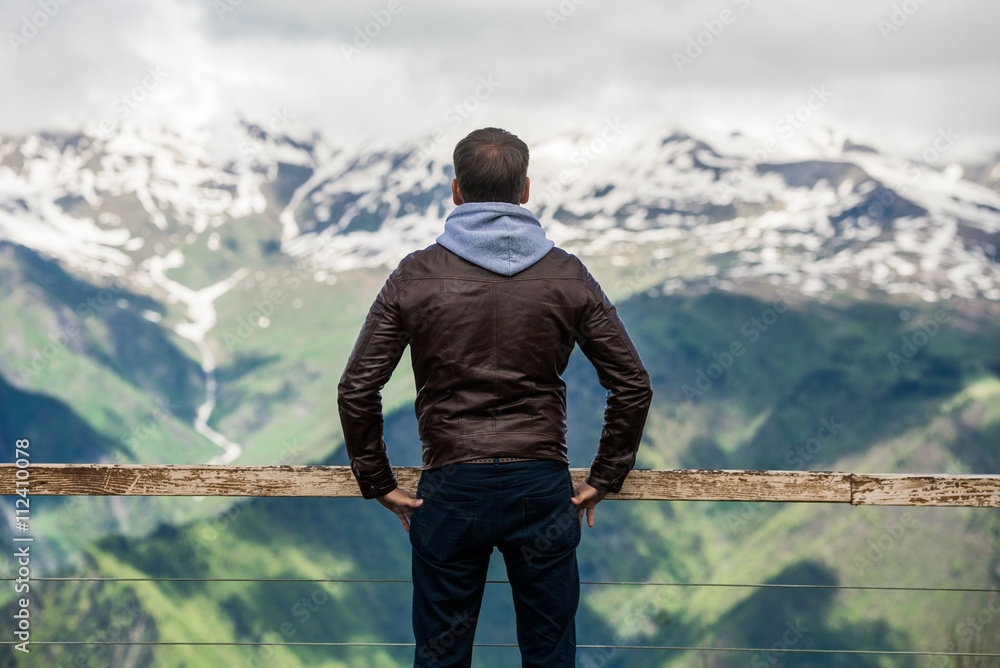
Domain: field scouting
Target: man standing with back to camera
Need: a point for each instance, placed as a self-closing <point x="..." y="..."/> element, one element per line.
<point x="491" y="313"/>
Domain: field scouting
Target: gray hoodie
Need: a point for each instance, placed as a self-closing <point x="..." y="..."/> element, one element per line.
<point x="503" y="238"/>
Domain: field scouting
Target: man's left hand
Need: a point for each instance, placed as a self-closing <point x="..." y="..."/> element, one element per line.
<point x="585" y="498"/>
<point x="402" y="503"/>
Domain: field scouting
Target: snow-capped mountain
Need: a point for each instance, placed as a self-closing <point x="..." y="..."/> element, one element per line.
<point x="848" y="218"/>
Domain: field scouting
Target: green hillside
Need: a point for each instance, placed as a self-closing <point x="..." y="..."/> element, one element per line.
<point x="815" y="387"/>
<point x="88" y="377"/>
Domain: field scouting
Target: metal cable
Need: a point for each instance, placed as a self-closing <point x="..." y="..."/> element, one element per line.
<point x="883" y="652"/>
<point x="514" y="645"/>
<point x="770" y="585"/>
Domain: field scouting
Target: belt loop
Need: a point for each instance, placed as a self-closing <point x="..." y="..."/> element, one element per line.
<point x="496" y="461"/>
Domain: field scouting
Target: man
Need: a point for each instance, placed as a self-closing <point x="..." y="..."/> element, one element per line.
<point x="491" y="313"/>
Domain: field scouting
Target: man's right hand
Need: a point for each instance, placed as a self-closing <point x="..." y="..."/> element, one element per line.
<point x="402" y="503"/>
<point x="585" y="498"/>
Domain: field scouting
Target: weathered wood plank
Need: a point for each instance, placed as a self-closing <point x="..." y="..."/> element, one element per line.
<point x="183" y="480"/>
<point x="649" y="484"/>
<point x="926" y="490"/>
<point x="713" y="485"/>
<point x="337" y="481"/>
<point x="720" y="485"/>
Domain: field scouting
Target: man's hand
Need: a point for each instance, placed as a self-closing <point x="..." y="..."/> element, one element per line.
<point x="402" y="503"/>
<point x="585" y="498"/>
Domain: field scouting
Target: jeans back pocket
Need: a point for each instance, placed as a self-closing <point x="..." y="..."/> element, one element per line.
<point x="551" y="525"/>
<point x="444" y="531"/>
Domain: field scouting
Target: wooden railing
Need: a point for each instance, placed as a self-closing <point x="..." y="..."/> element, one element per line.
<point x="642" y="484"/>
<point x="885" y="489"/>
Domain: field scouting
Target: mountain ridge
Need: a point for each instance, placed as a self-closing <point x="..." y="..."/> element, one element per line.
<point x="851" y="219"/>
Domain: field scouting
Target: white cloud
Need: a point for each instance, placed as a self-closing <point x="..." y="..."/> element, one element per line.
<point x="606" y="59"/>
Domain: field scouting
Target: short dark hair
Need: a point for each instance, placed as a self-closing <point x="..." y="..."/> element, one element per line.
<point x="491" y="165"/>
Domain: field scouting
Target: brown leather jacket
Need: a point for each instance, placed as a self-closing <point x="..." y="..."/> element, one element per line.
<point x="488" y="352"/>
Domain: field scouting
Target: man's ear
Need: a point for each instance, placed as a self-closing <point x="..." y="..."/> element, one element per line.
<point x="524" y="193"/>
<point x="456" y="194"/>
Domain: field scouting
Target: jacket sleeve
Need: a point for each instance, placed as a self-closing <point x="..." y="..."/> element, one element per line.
<point x="603" y="339"/>
<point x="376" y="353"/>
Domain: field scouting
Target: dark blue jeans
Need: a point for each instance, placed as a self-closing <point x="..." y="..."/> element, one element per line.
<point x="524" y="509"/>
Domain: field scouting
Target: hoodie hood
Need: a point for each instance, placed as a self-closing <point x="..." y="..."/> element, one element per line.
<point x="503" y="238"/>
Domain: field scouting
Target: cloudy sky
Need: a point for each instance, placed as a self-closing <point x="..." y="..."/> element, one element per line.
<point x="890" y="73"/>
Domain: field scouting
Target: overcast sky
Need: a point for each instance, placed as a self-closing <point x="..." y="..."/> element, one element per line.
<point x="887" y="77"/>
